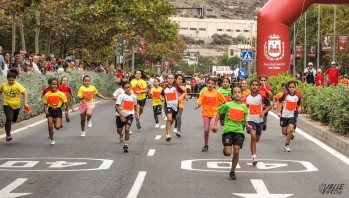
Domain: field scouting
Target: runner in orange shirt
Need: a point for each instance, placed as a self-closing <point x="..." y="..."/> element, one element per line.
<point x="245" y="91"/>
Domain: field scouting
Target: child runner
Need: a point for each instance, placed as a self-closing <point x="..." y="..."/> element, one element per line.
<point x="210" y="100"/>
<point x="226" y="91"/>
<point x="85" y="95"/>
<point x="65" y="88"/>
<point x="265" y="90"/>
<point x="53" y="102"/>
<point x="291" y="102"/>
<point x="245" y="91"/>
<point x="157" y="101"/>
<point x="170" y="94"/>
<point x="45" y="90"/>
<point x="178" y="125"/>
<point x="125" y="108"/>
<point x="279" y="95"/>
<point x="233" y="132"/>
<point x="256" y="112"/>
<point x="140" y="89"/>
<point x="12" y="100"/>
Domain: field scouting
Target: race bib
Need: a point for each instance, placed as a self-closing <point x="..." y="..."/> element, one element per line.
<point x="227" y="98"/>
<point x="210" y="100"/>
<point x="156" y="95"/>
<point x="171" y="96"/>
<point x="88" y="95"/>
<point x="291" y="106"/>
<point x="53" y="100"/>
<point x="236" y="114"/>
<point x="255" y="109"/>
<point x="136" y="89"/>
<point x="128" y="105"/>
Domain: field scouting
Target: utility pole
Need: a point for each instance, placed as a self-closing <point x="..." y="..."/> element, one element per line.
<point x="318" y="37"/>
<point x="334" y="32"/>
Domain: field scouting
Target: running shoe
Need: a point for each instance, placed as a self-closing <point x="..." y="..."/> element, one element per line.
<point x="287" y="148"/>
<point x="125" y="148"/>
<point x="168" y="138"/>
<point x="89" y="123"/>
<point x="264" y="127"/>
<point x="232" y="175"/>
<point x="157" y="125"/>
<point x="130" y="132"/>
<point x="83" y="133"/>
<point x="61" y="126"/>
<point x="254" y="161"/>
<point x="8" y="137"/>
<point x="53" y="143"/>
<point x="178" y="134"/>
<point x="205" y="148"/>
<point x="121" y="137"/>
<point x="138" y="124"/>
<point x="175" y="130"/>
<point x="165" y="118"/>
<point x="67" y="119"/>
<point x="292" y="137"/>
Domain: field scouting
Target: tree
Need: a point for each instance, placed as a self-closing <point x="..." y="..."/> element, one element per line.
<point x="225" y="60"/>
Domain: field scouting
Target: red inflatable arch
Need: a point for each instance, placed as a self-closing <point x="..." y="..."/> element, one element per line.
<point x="274" y="21"/>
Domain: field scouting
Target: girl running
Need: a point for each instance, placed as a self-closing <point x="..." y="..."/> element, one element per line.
<point x="45" y="90"/>
<point x="140" y="89"/>
<point x="125" y="109"/>
<point x="265" y="90"/>
<point x="256" y="113"/>
<point x="170" y="95"/>
<point x="233" y="132"/>
<point x="85" y="95"/>
<point x="178" y="125"/>
<point x="53" y="102"/>
<point x="157" y="101"/>
<point x="65" y="88"/>
<point x="12" y="100"/>
<point x="210" y="100"/>
<point x="291" y="105"/>
<point x="226" y="91"/>
<point x="245" y="90"/>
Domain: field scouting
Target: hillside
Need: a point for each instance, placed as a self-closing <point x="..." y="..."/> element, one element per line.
<point x="226" y="9"/>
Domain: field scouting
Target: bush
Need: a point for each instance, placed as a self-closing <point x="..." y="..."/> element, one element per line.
<point x="34" y="84"/>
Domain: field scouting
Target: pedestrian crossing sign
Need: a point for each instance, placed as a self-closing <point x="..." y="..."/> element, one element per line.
<point x="247" y="56"/>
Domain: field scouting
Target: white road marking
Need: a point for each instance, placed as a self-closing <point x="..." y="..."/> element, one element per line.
<point x="151" y="152"/>
<point x="6" y="192"/>
<point x="137" y="185"/>
<point x="63" y="164"/>
<point x="262" y="191"/>
<point x="218" y="165"/>
<point x="158" y="137"/>
<point x="319" y="143"/>
<point x="163" y="126"/>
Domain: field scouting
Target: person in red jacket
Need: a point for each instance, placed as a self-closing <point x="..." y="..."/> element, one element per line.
<point x="332" y="74"/>
<point x="319" y="78"/>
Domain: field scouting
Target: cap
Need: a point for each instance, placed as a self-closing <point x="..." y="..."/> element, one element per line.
<point x="333" y="63"/>
<point x="310" y="64"/>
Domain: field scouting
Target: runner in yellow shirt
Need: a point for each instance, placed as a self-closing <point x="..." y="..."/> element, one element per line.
<point x="140" y="90"/>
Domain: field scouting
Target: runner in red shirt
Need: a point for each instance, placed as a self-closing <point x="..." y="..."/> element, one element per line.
<point x="64" y="87"/>
<point x="264" y="90"/>
<point x="332" y="74"/>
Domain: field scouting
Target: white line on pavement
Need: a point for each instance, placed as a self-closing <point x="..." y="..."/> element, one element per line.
<point x="319" y="143"/>
<point x="158" y="137"/>
<point x="137" y="185"/>
<point x="163" y="126"/>
<point x="151" y="152"/>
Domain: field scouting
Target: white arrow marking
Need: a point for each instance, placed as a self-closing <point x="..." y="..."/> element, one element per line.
<point x="6" y="192"/>
<point x="266" y="166"/>
<point x="64" y="164"/>
<point x="158" y="137"/>
<point x="162" y="126"/>
<point x="262" y="191"/>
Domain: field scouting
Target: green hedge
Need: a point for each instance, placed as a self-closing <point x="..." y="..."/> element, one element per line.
<point x="329" y="105"/>
<point x="34" y="84"/>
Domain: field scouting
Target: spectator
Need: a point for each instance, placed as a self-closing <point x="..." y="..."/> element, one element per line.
<point x="310" y="74"/>
<point x="7" y="59"/>
<point x="344" y="80"/>
<point x="332" y="74"/>
<point x="2" y="62"/>
<point x="319" y="78"/>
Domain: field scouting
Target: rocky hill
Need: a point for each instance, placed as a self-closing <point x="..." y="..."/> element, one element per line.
<point x="223" y="9"/>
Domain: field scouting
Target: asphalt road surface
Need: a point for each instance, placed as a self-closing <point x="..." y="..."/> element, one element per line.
<point x="95" y="165"/>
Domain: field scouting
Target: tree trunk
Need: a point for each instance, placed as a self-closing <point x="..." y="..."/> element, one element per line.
<point x="13" y="32"/>
<point x="48" y="43"/>
<point x="37" y="32"/>
<point x="21" y="26"/>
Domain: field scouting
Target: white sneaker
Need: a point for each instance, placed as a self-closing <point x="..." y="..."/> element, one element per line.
<point x="287" y="148"/>
<point x="52" y="143"/>
<point x="83" y="134"/>
<point x="130" y="132"/>
<point x="178" y="134"/>
<point x="165" y="118"/>
<point x="89" y="123"/>
<point x="175" y="130"/>
<point x="254" y="161"/>
<point x="157" y="125"/>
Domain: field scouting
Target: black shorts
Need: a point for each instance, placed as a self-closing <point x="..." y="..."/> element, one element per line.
<point x="120" y="124"/>
<point x="221" y="117"/>
<point x="141" y="102"/>
<point x="169" y="110"/>
<point x="258" y="127"/>
<point x="157" y="109"/>
<point x="284" y="122"/>
<point x="54" y="113"/>
<point x="231" y="138"/>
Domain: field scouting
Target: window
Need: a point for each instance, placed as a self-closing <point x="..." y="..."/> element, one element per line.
<point x="237" y="30"/>
<point x="219" y="30"/>
<point x="202" y="29"/>
<point x="193" y="29"/>
<point x="246" y="30"/>
<point x="183" y="28"/>
<point x="229" y="30"/>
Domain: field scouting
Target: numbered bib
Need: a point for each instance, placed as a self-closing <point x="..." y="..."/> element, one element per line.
<point x="255" y="109"/>
<point x="128" y="105"/>
<point x="291" y="106"/>
<point x="171" y="96"/>
<point x="156" y="95"/>
<point x="210" y="101"/>
<point x="227" y="98"/>
<point x="236" y="115"/>
<point x="53" y="100"/>
<point x="88" y="95"/>
<point x="136" y="89"/>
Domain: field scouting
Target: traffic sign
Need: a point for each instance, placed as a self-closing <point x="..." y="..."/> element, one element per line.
<point x="247" y="57"/>
<point x="242" y="72"/>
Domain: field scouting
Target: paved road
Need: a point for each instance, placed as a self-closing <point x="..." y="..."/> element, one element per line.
<point x="95" y="166"/>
